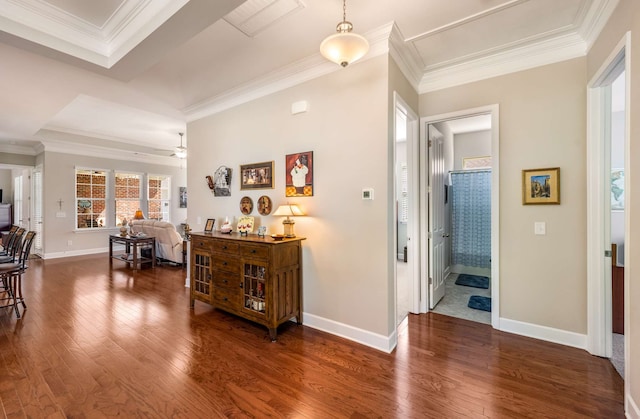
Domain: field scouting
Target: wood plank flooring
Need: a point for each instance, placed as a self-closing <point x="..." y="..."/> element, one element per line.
<point x="96" y="342"/>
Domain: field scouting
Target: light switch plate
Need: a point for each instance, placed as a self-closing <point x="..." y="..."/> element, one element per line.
<point x="540" y="228"/>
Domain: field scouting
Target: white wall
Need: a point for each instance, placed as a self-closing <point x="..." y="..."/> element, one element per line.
<point x="347" y="271"/>
<point x="470" y="144"/>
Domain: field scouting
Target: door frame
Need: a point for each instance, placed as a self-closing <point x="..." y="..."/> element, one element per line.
<point x="494" y="111"/>
<point x="599" y="305"/>
<point x="413" y="225"/>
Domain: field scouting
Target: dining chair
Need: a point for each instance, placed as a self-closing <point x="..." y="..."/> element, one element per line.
<point x="14" y="248"/>
<point x="7" y="237"/>
<point x="11" y="276"/>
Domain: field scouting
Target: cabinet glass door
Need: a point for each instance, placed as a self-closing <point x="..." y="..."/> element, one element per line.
<point x="254" y="289"/>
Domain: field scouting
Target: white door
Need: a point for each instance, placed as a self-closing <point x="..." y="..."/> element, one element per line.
<point x="36" y="222"/>
<point x="437" y="234"/>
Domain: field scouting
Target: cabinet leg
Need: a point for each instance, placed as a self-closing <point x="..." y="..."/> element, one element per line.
<point x="193" y="301"/>
<point x="272" y="334"/>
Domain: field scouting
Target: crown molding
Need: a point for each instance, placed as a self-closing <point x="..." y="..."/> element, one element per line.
<point x="405" y="56"/>
<point x="291" y="75"/>
<point x="541" y="53"/>
<point x="596" y="18"/>
<point x="130" y="24"/>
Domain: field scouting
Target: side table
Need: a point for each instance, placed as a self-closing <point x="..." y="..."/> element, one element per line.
<point x="130" y="255"/>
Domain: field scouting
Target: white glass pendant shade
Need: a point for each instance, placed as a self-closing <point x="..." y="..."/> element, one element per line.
<point x="344" y="48"/>
<point x="181" y="152"/>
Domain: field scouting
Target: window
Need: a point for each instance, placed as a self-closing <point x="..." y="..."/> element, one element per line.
<point x="470" y="163"/>
<point x="91" y="203"/>
<point x="127" y="194"/>
<point x="158" y="197"/>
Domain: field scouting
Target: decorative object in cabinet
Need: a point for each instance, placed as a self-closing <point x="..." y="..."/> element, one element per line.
<point x="253" y="277"/>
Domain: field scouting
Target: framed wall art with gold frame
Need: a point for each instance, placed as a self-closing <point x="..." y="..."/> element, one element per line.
<point x="541" y="186"/>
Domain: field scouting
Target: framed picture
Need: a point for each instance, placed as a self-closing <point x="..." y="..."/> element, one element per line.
<point x="246" y="205"/>
<point x="256" y="175"/>
<point x="299" y="174"/>
<point x="183" y="196"/>
<point x="617" y="189"/>
<point x="221" y="183"/>
<point x="208" y="228"/>
<point x="541" y="186"/>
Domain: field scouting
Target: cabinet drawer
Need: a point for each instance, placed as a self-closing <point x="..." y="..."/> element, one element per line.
<point x="226" y="263"/>
<point x="226" y="298"/>
<point x="259" y="252"/>
<point x="226" y="280"/>
<point x="197" y="243"/>
<point x="225" y="246"/>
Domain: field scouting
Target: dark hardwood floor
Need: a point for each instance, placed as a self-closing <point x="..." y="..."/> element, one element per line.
<point x="96" y="342"/>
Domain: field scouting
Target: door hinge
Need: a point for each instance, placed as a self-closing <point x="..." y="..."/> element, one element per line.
<point x="430" y="281"/>
<point x="608" y="254"/>
<point x="430" y="143"/>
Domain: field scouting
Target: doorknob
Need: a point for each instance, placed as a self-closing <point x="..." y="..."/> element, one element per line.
<point x="445" y="235"/>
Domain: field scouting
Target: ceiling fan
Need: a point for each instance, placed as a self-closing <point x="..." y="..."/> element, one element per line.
<point x="180" y="152"/>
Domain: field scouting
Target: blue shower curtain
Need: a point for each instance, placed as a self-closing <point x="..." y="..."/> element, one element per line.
<point x="471" y="218"/>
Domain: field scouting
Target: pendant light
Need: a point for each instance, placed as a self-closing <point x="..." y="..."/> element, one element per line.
<point x="181" y="152"/>
<point x="345" y="46"/>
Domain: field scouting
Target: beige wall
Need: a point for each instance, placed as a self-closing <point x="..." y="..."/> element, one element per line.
<point x="58" y="183"/>
<point x="346" y="256"/>
<point x="17" y="159"/>
<point x="542" y="124"/>
<point x="627" y="18"/>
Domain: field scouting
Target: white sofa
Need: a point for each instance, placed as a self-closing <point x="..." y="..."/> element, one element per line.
<point x="168" y="240"/>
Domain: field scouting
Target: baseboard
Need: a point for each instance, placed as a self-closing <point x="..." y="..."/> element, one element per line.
<point x="69" y="253"/>
<point x="545" y="333"/>
<point x="631" y="408"/>
<point x="364" y="337"/>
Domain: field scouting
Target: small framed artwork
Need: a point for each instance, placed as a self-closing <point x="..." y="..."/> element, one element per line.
<point x="183" y="196"/>
<point x="256" y="175"/>
<point x="245" y="225"/>
<point x="221" y="182"/>
<point x="264" y="205"/>
<point x="246" y="205"/>
<point x="541" y="186"/>
<point x="299" y="174"/>
<point x="208" y="228"/>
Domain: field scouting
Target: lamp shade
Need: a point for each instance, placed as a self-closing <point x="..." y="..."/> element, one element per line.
<point x="288" y="210"/>
<point x="181" y="152"/>
<point x="138" y="215"/>
<point x="344" y="47"/>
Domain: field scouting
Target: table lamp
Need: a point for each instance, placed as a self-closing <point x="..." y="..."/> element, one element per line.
<point x="288" y="210"/>
<point x="138" y="215"/>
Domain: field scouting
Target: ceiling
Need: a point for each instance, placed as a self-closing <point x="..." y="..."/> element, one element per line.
<point x="127" y="75"/>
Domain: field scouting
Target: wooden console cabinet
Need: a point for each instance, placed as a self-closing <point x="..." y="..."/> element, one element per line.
<point x="256" y="278"/>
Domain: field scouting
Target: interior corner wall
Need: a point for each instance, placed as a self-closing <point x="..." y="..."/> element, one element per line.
<point x="626" y="18"/>
<point x="345" y="254"/>
<point x="59" y="184"/>
<point x="542" y="124"/>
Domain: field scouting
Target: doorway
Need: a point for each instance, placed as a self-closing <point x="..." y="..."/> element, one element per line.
<point x="438" y="278"/>
<point x="406" y="145"/>
<point x="607" y="157"/>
